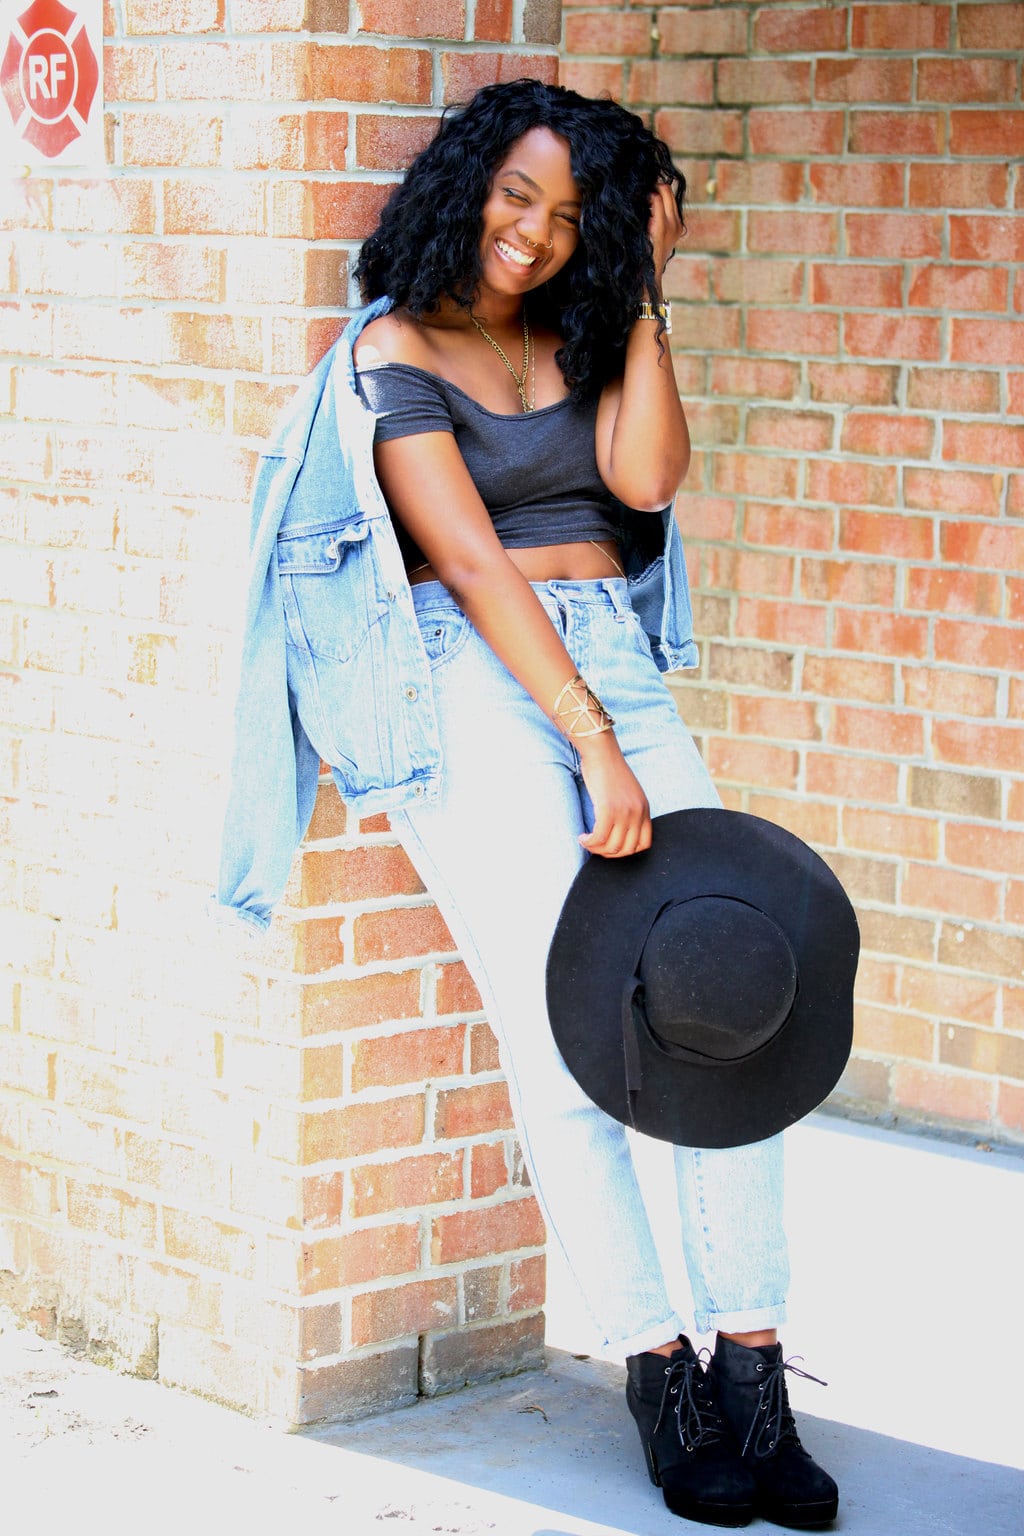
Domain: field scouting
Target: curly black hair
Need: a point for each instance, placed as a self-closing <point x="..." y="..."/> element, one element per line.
<point x="427" y="244"/>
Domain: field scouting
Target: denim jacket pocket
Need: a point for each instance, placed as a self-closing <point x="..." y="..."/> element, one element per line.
<point x="332" y="594"/>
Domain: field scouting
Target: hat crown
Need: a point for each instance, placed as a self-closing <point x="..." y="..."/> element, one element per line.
<point x="719" y="978"/>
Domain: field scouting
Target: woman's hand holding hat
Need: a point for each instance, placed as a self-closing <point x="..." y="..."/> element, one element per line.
<point x="622" y="816"/>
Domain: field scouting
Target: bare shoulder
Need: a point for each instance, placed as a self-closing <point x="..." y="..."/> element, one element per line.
<point x="392" y="338"/>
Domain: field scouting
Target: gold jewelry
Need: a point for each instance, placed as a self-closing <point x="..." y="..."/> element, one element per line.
<point x="577" y="711"/>
<point x="648" y="311"/>
<point x="537" y="244"/>
<point x="608" y="556"/>
<point x="520" y="379"/>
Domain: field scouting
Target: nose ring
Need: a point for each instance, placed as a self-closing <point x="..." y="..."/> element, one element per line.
<point x="536" y="244"/>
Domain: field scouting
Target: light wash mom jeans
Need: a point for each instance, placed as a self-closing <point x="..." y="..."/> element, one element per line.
<point x="498" y="853"/>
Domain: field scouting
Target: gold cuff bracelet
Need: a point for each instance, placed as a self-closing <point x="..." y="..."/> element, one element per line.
<point x="578" y="711"/>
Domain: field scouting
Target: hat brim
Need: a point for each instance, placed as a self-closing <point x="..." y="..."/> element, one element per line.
<point x="602" y="929"/>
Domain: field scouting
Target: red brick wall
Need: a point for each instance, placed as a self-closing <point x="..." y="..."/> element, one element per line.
<point x="288" y="1180"/>
<point x="283" y="1178"/>
<point x="849" y="342"/>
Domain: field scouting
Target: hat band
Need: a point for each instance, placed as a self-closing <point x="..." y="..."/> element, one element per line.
<point x="634" y="1019"/>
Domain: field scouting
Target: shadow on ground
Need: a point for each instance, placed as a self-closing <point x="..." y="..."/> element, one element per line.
<point x="554" y="1454"/>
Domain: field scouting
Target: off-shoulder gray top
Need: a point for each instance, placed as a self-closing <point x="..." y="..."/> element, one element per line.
<point x="536" y="472"/>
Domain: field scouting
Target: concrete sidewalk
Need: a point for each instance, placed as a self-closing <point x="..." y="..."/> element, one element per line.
<point x="908" y="1264"/>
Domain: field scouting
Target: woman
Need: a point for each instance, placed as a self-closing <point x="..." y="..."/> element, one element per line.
<point x="529" y="433"/>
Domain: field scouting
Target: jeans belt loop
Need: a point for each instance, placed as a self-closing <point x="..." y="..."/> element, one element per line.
<point x="619" y="598"/>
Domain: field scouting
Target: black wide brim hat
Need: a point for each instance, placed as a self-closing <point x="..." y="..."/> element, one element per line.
<point x="702" y="991"/>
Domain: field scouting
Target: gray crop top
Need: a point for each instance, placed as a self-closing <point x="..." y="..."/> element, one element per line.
<point x="536" y="473"/>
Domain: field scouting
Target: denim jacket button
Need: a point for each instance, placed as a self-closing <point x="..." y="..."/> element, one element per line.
<point x="411" y="693"/>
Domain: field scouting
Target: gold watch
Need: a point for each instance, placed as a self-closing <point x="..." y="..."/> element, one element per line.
<point x="648" y="311"/>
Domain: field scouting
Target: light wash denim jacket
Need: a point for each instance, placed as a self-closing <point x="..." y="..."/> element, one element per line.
<point x="332" y="662"/>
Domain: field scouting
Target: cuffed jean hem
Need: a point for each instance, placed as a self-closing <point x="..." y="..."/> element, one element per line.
<point x="650" y="1338"/>
<point x="749" y="1321"/>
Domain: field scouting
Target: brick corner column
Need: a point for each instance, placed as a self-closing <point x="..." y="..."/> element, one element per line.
<point x="282" y="1177"/>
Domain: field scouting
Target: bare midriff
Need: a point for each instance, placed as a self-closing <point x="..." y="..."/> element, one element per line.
<point x="554" y="562"/>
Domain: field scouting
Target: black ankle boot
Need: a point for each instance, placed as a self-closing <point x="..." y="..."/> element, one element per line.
<point x="691" y="1454"/>
<point x="791" y="1488"/>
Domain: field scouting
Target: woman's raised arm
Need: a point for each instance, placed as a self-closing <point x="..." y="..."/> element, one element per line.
<point x="643" y="445"/>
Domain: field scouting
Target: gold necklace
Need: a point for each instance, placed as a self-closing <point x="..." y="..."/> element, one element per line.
<point x="520" y="379"/>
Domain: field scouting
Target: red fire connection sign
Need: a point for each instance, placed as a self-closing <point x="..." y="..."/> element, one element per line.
<point x="51" y="82"/>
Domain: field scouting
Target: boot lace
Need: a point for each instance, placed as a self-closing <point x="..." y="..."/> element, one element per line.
<point x="687" y="1396"/>
<point x="773" y="1423"/>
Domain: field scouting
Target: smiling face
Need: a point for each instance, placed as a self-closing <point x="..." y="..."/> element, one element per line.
<point x="531" y="218"/>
